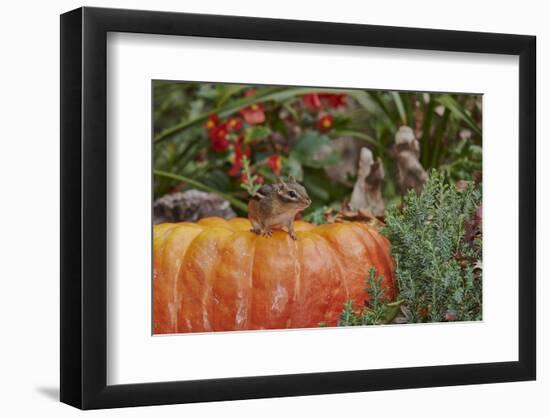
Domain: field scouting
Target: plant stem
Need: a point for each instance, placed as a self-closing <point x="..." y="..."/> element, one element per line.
<point x="359" y="135"/>
<point x="235" y="202"/>
<point x="267" y="94"/>
<point x="399" y="106"/>
<point x="436" y="157"/>
<point x="427" y="141"/>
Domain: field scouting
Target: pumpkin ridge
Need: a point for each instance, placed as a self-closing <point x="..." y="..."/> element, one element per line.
<point x="211" y="277"/>
<point x="182" y="275"/>
<point x="161" y="240"/>
<point x="163" y="229"/>
<point x="338" y="265"/>
<point x="210" y="301"/>
<point x="253" y="281"/>
<point x="178" y="296"/>
<point x="250" y="280"/>
<point x="174" y="310"/>
<point x="272" y="287"/>
<point x="232" y="284"/>
<point x="297" y="282"/>
<point x="160" y="236"/>
<point x="336" y="249"/>
<point x="314" y="304"/>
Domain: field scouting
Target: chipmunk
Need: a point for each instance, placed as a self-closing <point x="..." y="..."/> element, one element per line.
<point x="274" y="206"/>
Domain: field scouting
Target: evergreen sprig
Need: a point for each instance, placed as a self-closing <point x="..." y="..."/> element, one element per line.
<point x="249" y="184"/>
<point x="377" y="309"/>
<point x="437" y="265"/>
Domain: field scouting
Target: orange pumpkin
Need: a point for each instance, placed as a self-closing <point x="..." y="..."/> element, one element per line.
<point x="216" y="275"/>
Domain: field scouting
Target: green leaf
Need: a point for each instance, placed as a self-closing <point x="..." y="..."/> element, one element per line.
<point x="290" y="93"/>
<point x="427" y="129"/>
<point x="316" y="216"/>
<point x="390" y="311"/>
<point x="216" y="179"/>
<point x="399" y="105"/>
<point x="438" y="137"/>
<point x="316" y="189"/>
<point x="378" y="99"/>
<point x="294" y="168"/>
<point x="314" y="150"/>
<point x="249" y="184"/>
<point x="199" y="185"/>
<point x="255" y="133"/>
<point x="355" y="134"/>
<point x="277" y="94"/>
<point x="227" y="110"/>
<point x="225" y="91"/>
<point x="291" y="110"/>
<point x="364" y="100"/>
<point x="458" y="111"/>
<point x="475" y="149"/>
<point x="408" y="99"/>
<point x="207" y="91"/>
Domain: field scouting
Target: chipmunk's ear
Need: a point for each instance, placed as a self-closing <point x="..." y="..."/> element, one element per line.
<point x="279" y="185"/>
<point x="291" y="179"/>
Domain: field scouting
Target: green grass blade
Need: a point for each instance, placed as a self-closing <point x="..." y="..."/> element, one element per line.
<point x="364" y="100"/>
<point x="426" y="140"/>
<point x="359" y="135"/>
<point x="380" y="102"/>
<point x="354" y="134"/>
<point x="438" y="139"/>
<point x="277" y="94"/>
<point x="399" y="106"/>
<point x="197" y="184"/>
<point x="458" y="111"/>
<point x="407" y="99"/>
<point x="230" y="91"/>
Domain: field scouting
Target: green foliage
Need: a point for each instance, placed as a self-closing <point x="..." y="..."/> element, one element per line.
<point x="239" y="205"/>
<point x="439" y="121"/>
<point x="254" y="133"/>
<point x="348" y="317"/>
<point x="438" y="259"/>
<point x="448" y="127"/>
<point x="309" y="148"/>
<point x="378" y="310"/>
<point x="316" y="216"/>
<point x="437" y="262"/>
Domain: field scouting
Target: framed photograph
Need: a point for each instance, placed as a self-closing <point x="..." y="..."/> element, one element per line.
<point x="259" y="208"/>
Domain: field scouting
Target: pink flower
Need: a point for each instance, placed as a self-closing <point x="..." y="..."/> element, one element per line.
<point x="253" y="114"/>
<point x="312" y="101"/>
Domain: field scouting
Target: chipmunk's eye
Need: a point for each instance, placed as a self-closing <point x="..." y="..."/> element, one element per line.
<point x="292" y="194"/>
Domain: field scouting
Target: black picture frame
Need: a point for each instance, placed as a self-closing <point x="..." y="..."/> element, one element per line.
<point x="84" y="207"/>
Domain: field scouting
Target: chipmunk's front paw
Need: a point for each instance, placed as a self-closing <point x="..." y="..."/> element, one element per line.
<point x="292" y="235"/>
<point x="267" y="233"/>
